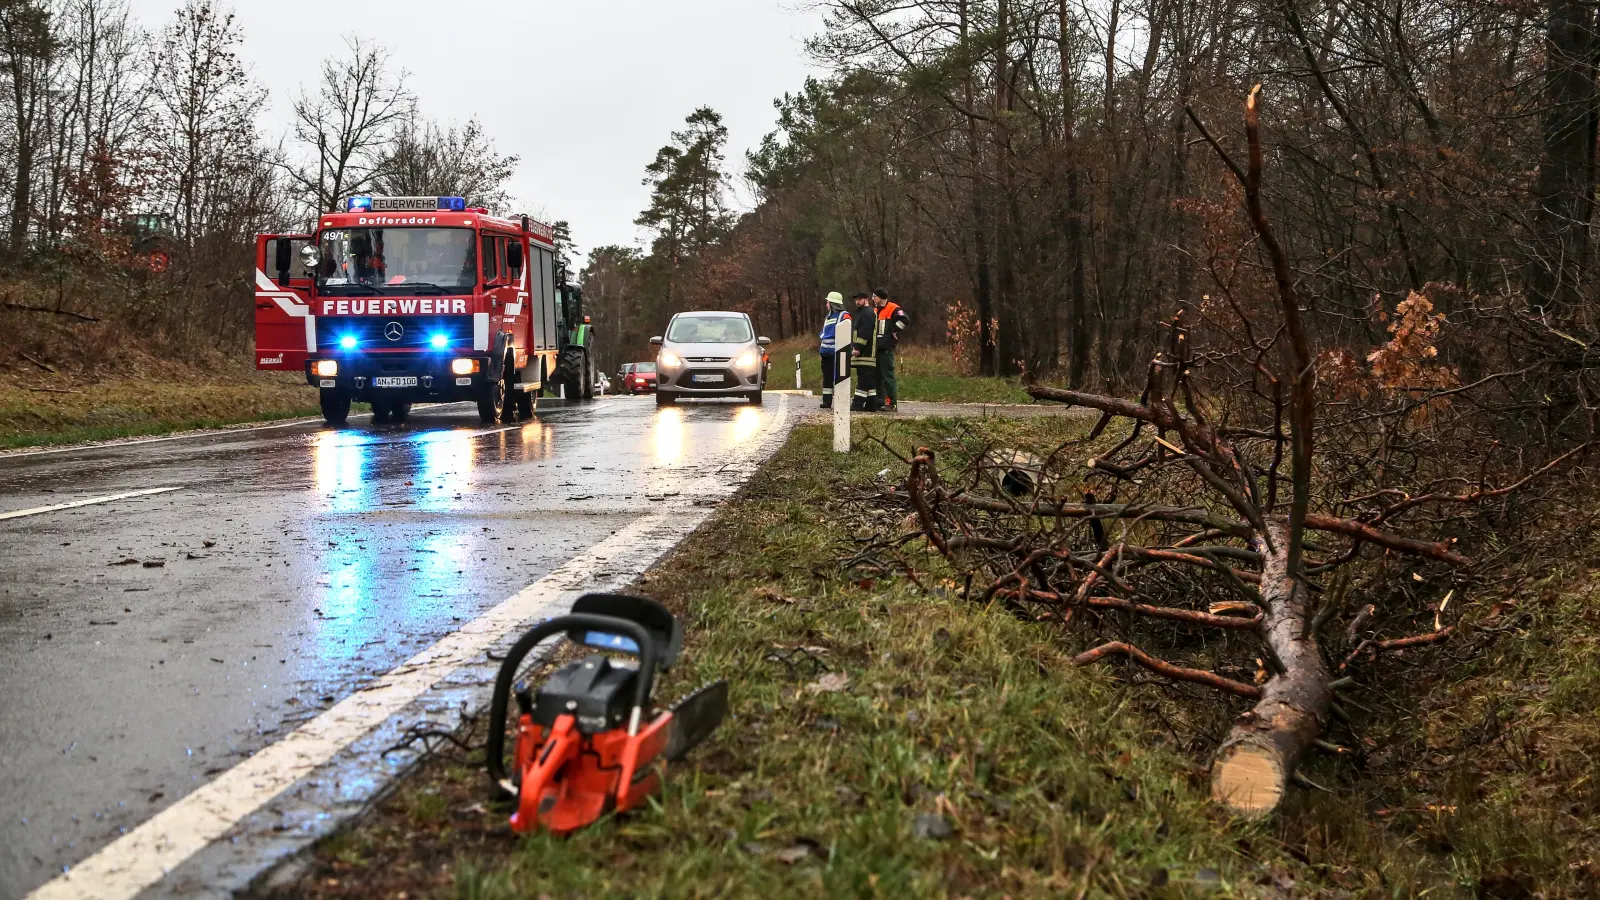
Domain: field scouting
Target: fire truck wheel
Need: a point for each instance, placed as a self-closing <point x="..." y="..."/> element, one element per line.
<point x="492" y="402"/>
<point x="399" y="411"/>
<point x="335" y="406"/>
<point x="524" y="405"/>
<point x="381" y="412"/>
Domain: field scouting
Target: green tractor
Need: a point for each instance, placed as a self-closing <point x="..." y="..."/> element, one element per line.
<point x="576" y="366"/>
<point x="152" y="242"/>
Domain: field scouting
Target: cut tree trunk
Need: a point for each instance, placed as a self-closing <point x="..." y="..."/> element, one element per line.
<point x="1252" y="768"/>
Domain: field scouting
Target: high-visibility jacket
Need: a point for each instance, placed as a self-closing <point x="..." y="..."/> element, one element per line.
<point x="892" y="322"/>
<point x="830" y="326"/>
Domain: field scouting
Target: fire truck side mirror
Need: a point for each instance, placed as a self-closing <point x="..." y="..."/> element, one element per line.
<point x="514" y="256"/>
<point x="285" y="256"/>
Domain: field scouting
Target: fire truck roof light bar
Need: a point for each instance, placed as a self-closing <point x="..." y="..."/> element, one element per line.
<point x="405" y="204"/>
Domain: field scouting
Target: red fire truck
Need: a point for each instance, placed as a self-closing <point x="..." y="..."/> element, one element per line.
<point x="398" y="300"/>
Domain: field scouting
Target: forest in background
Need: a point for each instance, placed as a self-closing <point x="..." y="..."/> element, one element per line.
<point x="1032" y="178"/>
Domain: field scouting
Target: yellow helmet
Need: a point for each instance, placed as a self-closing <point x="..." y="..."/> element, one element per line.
<point x="835" y="299"/>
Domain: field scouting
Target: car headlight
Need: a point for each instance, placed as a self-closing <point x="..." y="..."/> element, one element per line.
<point x="463" y="366"/>
<point x="747" y="359"/>
<point x="670" y="360"/>
<point x="327" y="368"/>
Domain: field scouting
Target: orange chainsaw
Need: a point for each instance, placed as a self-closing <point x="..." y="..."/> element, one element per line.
<point x="588" y="741"/>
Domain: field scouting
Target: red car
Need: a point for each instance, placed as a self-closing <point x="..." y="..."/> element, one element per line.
<point x="638" y="378"/>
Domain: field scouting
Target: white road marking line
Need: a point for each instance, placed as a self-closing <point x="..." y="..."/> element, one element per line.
<point x="90" y="502"/>
<point x="146" y="854"/>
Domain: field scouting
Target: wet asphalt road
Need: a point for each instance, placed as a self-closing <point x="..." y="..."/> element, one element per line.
<point x="147" y="645"/>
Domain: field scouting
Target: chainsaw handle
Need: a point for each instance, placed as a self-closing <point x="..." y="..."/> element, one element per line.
<point x="501" y="699"/>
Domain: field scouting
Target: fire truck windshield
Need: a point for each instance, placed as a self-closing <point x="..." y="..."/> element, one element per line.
<point x="399" y="261"/>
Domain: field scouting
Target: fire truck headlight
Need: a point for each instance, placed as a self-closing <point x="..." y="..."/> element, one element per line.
<point x="348" y="342"/>
<point x="327" y="368"/>
<point x="439" y="341"/>
<point x="463" y="366"/>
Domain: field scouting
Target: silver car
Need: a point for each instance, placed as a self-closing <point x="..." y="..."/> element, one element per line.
<point x="710" y="354"/>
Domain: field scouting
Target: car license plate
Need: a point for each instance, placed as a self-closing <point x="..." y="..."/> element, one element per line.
<point x="708" y="379"/>
<point x="395" y="381"/>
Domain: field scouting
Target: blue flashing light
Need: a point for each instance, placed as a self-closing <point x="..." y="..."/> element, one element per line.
<point x="452" y="204"/>
<point x="358" y="204"/>
<point x="439" y="341"/>
<point x="348" y="342"/>
<point x="600" y="640"/>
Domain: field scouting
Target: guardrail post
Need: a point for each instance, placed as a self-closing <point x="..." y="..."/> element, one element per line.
<point x="843" y="393"/>
<point x="799" y="385"/>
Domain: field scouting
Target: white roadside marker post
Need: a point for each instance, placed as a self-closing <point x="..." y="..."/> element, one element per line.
<point x="798" y="384"/>
<point x="842" y="391"/>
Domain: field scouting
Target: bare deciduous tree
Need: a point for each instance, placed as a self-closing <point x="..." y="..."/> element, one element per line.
<point x="350" y="122"/>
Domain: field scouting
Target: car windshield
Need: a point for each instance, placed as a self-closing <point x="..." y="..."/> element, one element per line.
<point x="645" y="369"/>
<point x="363" y="261"/>
<point x="710" y="330"/>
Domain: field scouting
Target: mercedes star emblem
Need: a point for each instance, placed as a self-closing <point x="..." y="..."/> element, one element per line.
<point x="394" y="331"/>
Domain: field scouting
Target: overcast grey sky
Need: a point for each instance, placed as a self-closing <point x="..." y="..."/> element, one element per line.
<point x="584" y="91"/>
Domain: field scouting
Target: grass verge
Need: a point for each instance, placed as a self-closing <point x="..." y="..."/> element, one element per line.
<point x="923" y="373"/>
<point x="887" y="740"/>
<point x="116" y="408"/>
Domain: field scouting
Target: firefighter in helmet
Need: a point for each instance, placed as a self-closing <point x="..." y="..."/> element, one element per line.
<point x="835" y="359"/>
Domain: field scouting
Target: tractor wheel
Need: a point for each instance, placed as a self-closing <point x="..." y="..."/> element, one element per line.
<point x="335" y="406"/>
<point x="588" y="377"/>
<point x="570" y="368"/>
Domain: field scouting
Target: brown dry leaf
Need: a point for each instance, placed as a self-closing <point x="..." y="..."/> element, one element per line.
<point x="831" y="683"/>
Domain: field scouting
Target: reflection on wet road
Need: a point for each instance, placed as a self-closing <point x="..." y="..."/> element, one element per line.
<point x="151" y="643"/>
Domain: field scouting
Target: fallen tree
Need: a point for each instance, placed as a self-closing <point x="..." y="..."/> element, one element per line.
<point x="1234" y="490"/>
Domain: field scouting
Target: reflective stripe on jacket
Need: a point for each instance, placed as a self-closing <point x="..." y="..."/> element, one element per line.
<point x="829" y="326"/>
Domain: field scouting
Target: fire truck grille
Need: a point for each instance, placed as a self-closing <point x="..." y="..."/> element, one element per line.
<point x="379" y="333"/>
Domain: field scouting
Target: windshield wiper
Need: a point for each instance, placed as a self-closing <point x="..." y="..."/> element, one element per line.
<point x="329" y="289"/>
<point x="410" y="286"/>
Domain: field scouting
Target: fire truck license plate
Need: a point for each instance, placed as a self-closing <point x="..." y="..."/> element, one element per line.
<point x="395" y="381"/>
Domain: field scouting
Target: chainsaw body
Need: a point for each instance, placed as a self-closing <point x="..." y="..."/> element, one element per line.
<point x="588" y="741"/>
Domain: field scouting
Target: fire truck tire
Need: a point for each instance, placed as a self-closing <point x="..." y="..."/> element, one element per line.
<point x="524" y="404"/>
<point x="381" y="413"/>
<point x="335" y="406"/>
<point x="399" y="411"/>
<point x="492" y="401"/>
